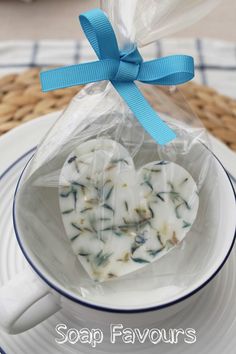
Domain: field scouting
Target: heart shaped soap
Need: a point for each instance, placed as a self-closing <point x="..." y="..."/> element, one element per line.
<point x="119" y="220"/>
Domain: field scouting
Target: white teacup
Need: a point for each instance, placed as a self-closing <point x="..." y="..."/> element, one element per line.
<point x="32" y="297"/>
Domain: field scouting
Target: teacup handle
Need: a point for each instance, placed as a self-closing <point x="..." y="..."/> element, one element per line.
<point x="25" y="302"/>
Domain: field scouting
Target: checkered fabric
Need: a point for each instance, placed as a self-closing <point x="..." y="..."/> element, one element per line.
<point x="215" y="60"/>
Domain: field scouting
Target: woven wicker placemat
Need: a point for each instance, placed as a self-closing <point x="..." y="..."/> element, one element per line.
<point x="21" y="100"/>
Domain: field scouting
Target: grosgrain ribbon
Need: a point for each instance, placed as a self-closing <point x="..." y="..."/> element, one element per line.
<point x="122" y="68"/>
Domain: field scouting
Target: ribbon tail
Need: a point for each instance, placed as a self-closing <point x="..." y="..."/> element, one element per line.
<point x="78" y="74"/>
<point x="145" y="114"/>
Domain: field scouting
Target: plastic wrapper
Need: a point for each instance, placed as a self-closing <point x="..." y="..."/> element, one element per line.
<point x="109" y="210"/>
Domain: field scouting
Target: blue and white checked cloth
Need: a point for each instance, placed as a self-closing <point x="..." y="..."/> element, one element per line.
<point x="215" y="65"/>
<point x="215" y="60"/>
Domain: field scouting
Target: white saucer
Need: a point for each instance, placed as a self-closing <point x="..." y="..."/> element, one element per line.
<point x="213" y="317"/>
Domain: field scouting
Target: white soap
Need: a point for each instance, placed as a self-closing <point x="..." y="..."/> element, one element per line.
<point x="172" y="198"/>
<point x="119" y="220"/>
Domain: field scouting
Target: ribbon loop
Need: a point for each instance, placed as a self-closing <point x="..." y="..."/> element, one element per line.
<point x="100" y="34"/>
<point x="122" y="69"/>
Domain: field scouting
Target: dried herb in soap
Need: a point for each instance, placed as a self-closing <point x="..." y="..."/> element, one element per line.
<point x="139" y="260"/>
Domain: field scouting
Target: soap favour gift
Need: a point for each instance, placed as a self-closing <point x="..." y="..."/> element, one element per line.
<point x="123" y="212"/>
<point x="118" y="180"/>
<point x="117" y="219"/>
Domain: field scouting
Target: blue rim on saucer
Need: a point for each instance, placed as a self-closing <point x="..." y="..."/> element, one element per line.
<point x="103" y="308"/>
<point x="2" y="351"/>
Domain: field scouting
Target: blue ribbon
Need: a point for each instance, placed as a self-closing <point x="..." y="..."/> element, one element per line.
<point x="122" y="68"/>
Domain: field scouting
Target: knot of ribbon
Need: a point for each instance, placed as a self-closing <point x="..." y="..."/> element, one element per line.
<point x="122" y="68"/>
<point x="129" y="66"/>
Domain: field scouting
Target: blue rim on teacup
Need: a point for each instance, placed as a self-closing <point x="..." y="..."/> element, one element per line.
<point x="100" y="307"/>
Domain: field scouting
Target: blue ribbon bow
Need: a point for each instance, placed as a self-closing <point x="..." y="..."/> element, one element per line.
<point x="122" y="69"/>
